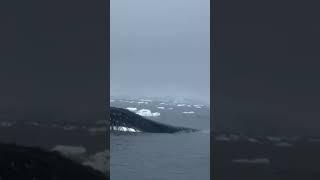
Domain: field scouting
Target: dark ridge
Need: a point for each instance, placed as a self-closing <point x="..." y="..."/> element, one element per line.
<point x="18" y="162"/>
<point x="126" y="118"/>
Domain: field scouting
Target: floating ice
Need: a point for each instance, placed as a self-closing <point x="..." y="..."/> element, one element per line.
<point x="180" y="105"/>
<point x="197" y="106"/>
<point x="160" y="107"/>
<point x="146" y="100"/>
<point x="142" y="102"/>
<point x="188" y="112"/>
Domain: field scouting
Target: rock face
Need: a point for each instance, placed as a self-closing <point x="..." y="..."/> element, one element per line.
<point x="19" y="162"/>
<point x="124" y="118"/>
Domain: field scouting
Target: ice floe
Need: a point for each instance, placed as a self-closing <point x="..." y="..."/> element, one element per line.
<point x="160" y="107"/>
<point x="188" y="112"/>
<point x="142" y="102"/>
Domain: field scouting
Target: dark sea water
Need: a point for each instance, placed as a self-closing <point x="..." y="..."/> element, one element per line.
<point x="146" y="156"/>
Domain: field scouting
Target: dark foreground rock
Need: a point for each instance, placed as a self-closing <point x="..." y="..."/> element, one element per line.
<point x="24" y="163"/>
<point x="126" y="118"/>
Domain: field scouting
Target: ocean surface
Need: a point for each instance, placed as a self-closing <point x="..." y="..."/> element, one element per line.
<point x="148" y="156"/>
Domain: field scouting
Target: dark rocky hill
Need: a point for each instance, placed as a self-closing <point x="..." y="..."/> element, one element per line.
<point x="18" y="162"/>
<point x="126" y="118"/>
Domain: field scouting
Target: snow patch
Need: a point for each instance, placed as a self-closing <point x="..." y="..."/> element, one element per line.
<point x="132" y="109"/>
<point x="148" y="113"/>
<point x="123" y="129"/>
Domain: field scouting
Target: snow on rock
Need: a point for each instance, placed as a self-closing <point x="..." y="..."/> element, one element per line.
<point x="147" y="113"/>
<point x="132" y="109"/>
<point x="123" y="129"/>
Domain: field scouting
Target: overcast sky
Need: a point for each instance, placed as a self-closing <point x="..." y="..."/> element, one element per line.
<point x="160" y="48"/>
